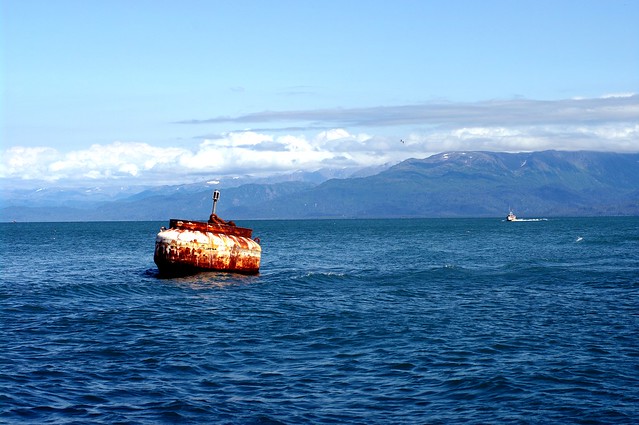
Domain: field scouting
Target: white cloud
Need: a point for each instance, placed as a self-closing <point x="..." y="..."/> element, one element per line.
<point x="612" y="137"/>
<point x="572" y="125"/>
<point x="26" y="162"/>
<point x="612" y="95"/>
<point x="114" y="161"/>
<point x="236" y="153"/>
<point x="622" y="107"/>
<point x="247" y="153"/>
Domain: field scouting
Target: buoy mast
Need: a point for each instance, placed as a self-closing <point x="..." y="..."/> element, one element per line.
<point x="216" y="197"/>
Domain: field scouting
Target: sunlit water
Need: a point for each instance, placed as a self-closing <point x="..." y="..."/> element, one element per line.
<point x="353" y="321"/>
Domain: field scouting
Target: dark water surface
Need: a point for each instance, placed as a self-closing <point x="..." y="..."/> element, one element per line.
<point x="353" y="321"/>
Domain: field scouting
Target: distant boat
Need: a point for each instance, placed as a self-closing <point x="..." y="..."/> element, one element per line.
<point x="511" y="216"/>
<point x="188" y="247"/>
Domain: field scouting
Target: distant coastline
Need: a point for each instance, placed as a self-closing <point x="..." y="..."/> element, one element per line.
<point x="450" y="185"/>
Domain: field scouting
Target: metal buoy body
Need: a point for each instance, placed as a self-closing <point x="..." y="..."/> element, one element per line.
<point x="192" y="246"/>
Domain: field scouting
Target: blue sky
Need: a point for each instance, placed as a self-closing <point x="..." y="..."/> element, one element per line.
<point x="170" y="92"/>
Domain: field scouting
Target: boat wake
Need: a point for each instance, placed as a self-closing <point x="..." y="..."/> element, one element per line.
<point x="512" y="217"/>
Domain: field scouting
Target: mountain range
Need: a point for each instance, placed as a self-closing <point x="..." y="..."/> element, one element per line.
<point x="453" y="184"/>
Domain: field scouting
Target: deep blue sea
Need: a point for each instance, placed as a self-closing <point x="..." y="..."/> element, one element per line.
<point x="434" y="321"/>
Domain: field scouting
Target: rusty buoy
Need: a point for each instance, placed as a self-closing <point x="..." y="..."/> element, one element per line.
<point x="215" y="245"/>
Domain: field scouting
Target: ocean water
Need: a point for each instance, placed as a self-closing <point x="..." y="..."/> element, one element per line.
<point x="431" y="321"/>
